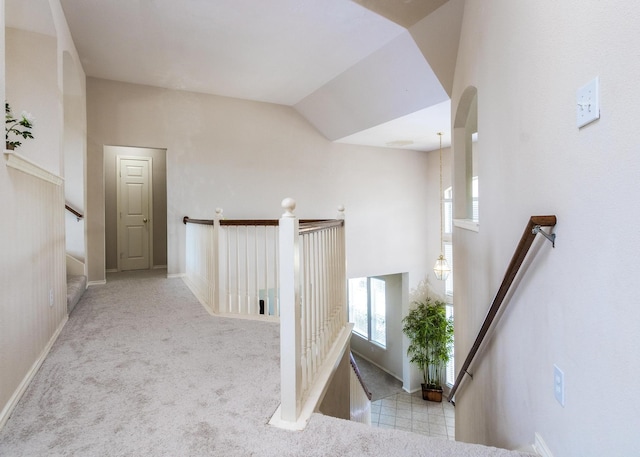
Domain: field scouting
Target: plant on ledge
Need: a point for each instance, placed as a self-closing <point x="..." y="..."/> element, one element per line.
<point x="430" y="333"/>
<point x="20" y="127"/>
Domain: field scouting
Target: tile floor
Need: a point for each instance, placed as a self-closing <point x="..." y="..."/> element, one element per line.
<point x="410" y="412"/>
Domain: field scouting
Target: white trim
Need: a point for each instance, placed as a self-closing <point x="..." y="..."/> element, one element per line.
<point x="194" y="291"/>
<point x="97" y="283"/>
<point x="20" y="162"/>
<point x="176" y="275"/>
<point x="319" y="387"/>
<point x="467" y="224"/>
<point x="15" y="398"/>
<point x="541" y="447"/>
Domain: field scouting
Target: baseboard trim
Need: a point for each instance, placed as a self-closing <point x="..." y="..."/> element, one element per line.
<point x="97" y="283"/>
<point x="195" y="293"/>
<point x="22" y="387"/>
<point x="111" y="270"/>
<point x="159" y="267"/>
<point x="541" y="447"/>
<point x="176" y="275"/>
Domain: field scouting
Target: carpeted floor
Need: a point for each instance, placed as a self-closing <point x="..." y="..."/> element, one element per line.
<point x="141" y="369"/>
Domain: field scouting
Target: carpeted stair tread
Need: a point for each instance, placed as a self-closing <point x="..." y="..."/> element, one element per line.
<point x="76" y="285"/>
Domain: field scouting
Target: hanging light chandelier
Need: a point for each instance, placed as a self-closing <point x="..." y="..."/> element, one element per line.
<point x="441" y="268"/>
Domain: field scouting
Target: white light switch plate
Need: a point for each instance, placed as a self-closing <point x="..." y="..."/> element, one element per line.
<point x="587" y="103"/>
<point x="558" y="384"/>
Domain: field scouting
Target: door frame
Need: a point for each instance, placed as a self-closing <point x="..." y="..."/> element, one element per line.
<point x="120" y="157"/>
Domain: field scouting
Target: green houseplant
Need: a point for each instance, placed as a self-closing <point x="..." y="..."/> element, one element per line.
<point x="430" y="335"/>
<point x="17" y="126"/>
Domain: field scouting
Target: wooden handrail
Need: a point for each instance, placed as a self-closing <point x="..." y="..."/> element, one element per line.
<point x="315" y="226"/>
<point x="196" y="221"/>
<point x="354" y="365"/>
<point x="516" y="261"/>
<point x="306" y="225"/>
<point x="76" y="213"/>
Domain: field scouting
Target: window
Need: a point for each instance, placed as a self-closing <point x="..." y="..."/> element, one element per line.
<point x="450" y="371"/>
<point x="447" y="229"/>
<point x="475" y="213"/>
<point x="367" y="309"/>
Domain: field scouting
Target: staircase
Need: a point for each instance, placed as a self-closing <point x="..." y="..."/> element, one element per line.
<point x="76" y="282"/>
<point x="76" y="285"/>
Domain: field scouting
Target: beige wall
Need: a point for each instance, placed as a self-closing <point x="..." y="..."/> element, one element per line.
<point x="245" y="157"/>
<point x="32" y="266"/>
<point x="32" y="86"/>
<point x="159" y="167"/>
<point x="576" y="305"/>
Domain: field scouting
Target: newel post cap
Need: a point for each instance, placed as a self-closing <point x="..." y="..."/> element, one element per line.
<point x="289" y="205"/>
<point x="218" y="213"/>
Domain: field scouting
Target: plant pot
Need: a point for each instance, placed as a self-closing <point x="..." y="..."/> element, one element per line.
<point x="431" y="393"/>
<point x="8" y="147"/>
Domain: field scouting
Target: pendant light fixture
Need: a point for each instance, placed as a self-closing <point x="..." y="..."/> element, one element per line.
<point x="441" y="268"/>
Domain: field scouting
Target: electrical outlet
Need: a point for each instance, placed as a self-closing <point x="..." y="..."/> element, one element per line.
<point x="51" y="298"/>
<point x="558" y="384"/>
<point x="587" y="103"/>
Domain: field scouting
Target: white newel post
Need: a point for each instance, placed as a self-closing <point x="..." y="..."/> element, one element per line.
<point x="290" y="370"/>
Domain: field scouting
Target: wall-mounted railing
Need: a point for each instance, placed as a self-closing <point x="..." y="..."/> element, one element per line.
<point x="75" y="212"/>
<point x="359" y="396"/>
<point x="531" y="230"/>
<point x="290" y="269"/>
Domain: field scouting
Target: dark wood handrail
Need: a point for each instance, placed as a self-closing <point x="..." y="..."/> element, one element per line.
<point x="354" y="365"/>
<point x="516" y="261"/>
<point x="76" y="213"/>
<point x="306" y="225"/>
<point x="196" y="221"/>
<point x="316" y="226"/>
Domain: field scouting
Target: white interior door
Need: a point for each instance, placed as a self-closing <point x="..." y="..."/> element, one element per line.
<point x="134" y="209"/>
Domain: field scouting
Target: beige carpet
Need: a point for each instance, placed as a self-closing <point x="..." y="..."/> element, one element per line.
<point x="141" y="369"/>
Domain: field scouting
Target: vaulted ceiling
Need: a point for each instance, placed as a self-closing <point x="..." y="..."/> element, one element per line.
<point x="376" y="72"/>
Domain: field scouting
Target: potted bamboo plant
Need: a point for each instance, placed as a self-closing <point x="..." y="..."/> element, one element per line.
<point x="430" y="333"/>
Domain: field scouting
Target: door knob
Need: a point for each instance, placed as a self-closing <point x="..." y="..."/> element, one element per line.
<point x="144" y="220"/>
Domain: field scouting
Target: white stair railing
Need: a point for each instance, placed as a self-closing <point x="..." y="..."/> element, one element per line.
<point x="314" y="332"/>
<point x="288" y="269"/>
<point x="248" y="268"/>
<point x="201" y="262"/>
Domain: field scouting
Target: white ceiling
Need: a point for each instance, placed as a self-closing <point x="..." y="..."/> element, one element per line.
<point x="276" y="51"/>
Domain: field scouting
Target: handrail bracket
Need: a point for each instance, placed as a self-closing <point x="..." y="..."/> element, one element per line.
<point x="550" y="236"/>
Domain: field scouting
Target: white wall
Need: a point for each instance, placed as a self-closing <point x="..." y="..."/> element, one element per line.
<point x="245" y="157"/>
<point x="576" y="305"/>
<point x="32" y="86"/>
<point x="32" y="263"/>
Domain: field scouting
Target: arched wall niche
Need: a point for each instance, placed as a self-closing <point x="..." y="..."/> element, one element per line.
<point x="74" y="155"/>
